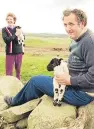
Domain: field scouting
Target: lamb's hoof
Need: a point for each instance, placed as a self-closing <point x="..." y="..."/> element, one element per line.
<point x="55" y="103"/>
<point x="59" y="103"/>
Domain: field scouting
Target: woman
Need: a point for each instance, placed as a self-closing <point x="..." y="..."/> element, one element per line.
<point x="14" y="50"/>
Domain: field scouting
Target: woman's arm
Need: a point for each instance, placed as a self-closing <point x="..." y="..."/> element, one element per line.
<point x="6" y="37"/>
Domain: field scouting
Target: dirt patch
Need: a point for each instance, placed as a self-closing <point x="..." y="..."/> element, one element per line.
<point x="47" y="51"/>
<point x="42" y="51"/>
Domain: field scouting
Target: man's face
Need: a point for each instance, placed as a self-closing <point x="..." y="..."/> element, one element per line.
<point x="72" y="27"/>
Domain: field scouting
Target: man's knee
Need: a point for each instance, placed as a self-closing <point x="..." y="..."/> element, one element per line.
<point x="38" y="81"/>
<point x="34" y="80"/>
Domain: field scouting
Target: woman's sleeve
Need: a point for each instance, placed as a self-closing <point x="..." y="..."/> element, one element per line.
<point x="7" y="39"/>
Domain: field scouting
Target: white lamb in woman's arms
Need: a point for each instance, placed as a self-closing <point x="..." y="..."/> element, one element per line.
<point x="21" y="37"/>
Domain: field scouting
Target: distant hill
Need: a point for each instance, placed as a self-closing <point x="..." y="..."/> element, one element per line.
<point x="44" y="34"/>
<point x="47" y="35"/>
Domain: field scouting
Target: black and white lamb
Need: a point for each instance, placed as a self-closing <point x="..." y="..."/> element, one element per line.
<point x="58" y="66"/>
<point x="21" y="38"/>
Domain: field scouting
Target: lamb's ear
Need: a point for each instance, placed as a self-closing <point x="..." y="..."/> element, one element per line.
<point x="18" y="27"/>
<point x="61" y="59"/>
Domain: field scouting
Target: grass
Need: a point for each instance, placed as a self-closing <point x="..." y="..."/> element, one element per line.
<point x="2" y="65"/>
<point x="46" y="42"/>
<point x="36" y="64"/>
<point x="31" y="66"/>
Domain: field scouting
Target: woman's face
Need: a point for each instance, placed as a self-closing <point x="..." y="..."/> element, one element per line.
<point x="10" y="21"/>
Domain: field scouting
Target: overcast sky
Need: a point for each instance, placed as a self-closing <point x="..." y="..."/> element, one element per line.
<point x="43" y="16"/>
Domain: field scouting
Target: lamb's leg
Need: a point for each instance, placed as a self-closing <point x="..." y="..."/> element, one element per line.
<point x="61" y="94"/>
<point x="55" y="84"/>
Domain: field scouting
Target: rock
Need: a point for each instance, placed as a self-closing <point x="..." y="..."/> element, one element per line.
<point x="10" y="85"/>
<point x="90" y="116"/>
<point x="5" y="125"/>
<point x="47" y="116"/>
<point x="79" y="122"/>
<point x="3" y="105"/>
<point x="10" y="127"/>
<point x="21" y="124"/>
<point x="85" y="119"/>
<point x="16" y="113"/>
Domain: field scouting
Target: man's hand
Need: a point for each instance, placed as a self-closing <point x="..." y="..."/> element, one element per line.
<point x="63" y="79"/>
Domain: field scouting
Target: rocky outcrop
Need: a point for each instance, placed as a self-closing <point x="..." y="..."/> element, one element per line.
<point x="85" y="119"/>
<point x="16" y="113"/>
<point x="10" y="85"/>
<point x="47" y="116"/>
<point x="22" y="123"/>
<point x="3" y="105"/>
<point x="40" y="113"/>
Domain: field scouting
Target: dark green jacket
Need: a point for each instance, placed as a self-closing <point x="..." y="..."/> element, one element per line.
<point x="16" y="47"/>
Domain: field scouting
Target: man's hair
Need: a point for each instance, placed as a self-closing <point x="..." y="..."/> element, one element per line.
<point x="11" y="15"/>
<point x="80" y="15"/>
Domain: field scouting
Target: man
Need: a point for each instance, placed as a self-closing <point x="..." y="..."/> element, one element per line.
<point x="80" y="83"/>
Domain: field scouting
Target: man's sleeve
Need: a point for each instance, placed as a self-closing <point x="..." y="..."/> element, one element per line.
<point x="86" y="80"/>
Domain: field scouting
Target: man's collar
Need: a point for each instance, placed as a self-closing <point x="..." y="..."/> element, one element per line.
<point x="81" y="34"/>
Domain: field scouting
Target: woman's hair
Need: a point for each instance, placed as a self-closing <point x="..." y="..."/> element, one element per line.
<point x="80" y="15"/>
<point x="11" y="15"/>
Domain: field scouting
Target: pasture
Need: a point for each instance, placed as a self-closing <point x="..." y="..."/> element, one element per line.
<point x="39" y="50"/>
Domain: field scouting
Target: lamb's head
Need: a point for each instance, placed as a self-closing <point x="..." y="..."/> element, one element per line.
<point x="18" y="27"/>
<point x="53" y="63"/>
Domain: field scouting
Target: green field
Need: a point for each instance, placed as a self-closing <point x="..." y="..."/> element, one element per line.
<point x="38" y="52"/>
